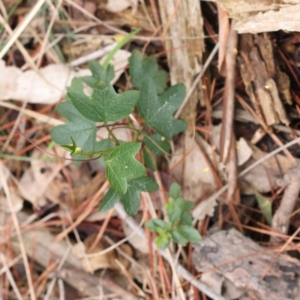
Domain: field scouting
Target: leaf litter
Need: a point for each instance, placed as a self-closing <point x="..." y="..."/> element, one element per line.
<point x="66" y="191"/>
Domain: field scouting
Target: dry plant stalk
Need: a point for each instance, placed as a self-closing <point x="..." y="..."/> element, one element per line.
<point x="281" y="219"/>
<point x="182" y="21"/>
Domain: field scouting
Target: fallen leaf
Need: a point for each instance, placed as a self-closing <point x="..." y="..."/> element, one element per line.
<point x="244" y="152"/>
<point x="265" y="175"/>
<point x="102" y="261"/>
<point x="135" y="240"/>
<point x="49" y="86"/>
<point x="116" y="6"/>
<point x="16" y="200"/>
<point x="191" y="169"/>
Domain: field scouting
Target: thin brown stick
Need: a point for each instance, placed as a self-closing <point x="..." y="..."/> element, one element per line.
<point x="18" y="231"/>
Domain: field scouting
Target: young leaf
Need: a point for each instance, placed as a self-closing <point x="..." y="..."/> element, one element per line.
<point x="81" y="130"/>
<point x="180" y="202"/>
<point x="265" y="206"/>
<point x="170" y="206"/>
<point x="186" y="219"/>
<point x="154" y="224"/>
<point x="178" y="238"/>
<point x="131" y="199"/>
<point x="121" y="165"/>
<point x="189" y="233"/>
<point x="109" y="200"/>
<point x="162" y="241"/>
<point x="174" y="216"/>
<point x="98" y="74"/>
<point x="151" y="142"/>
<point x="141" y="68"/>
<point x="188" y="205"/>
<point x="105" y="104"/>
<point x="175" y="190"/>
<point x="158" y="111"/>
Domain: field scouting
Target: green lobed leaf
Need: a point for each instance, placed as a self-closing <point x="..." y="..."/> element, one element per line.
<point x="151" y="149"/>
<point x="131" y="199"/>
<point x="82" y="131"/>
<point x="178" y="238"/>
<point x="158" y="111"/>
<point x="122" y="165"/>
<point x="99" y="73"/>
<point x="141" y="68"/>
<point x="109" y="200"/>
<point x="265" y="206"/>
<point x="175" y="190"/>
<point x="189" y="233"/>
<point x="105" y="104"/>
<point x="104" y="145"/>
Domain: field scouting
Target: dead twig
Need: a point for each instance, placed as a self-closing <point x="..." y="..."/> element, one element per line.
<point x="227" y="124"/>
<point x="281" y="219"/>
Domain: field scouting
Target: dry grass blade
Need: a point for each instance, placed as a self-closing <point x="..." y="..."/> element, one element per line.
<point x="18" y="231"/>
<point x="10" y="278"/>
<point x="21" y="27"/>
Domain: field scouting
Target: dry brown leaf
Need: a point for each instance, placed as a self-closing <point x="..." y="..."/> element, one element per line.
<point x="16" y="200"/>
<point x="193" y="173"/>
<point x="43" y="182"/>
<point x="103" y="261"/>
<point x="88" y="6"/>
<point x="265" y="175"/>
<point x="116" y="6"/>
<point x="50" y="87"/>
<point x="136" y="241"/>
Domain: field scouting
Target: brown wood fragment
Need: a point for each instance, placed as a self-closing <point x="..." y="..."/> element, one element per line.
<point x="263" y="15"/>
<point x="263" y="83"/>
<point x="242" y="262"/>
<point x="184" y="48"/>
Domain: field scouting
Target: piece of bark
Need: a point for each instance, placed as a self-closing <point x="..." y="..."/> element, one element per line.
<point x="263" y="15"/>
<point x="184" y="47"/>
<point x="258" y="71"/>
<point x="243" y="262"/>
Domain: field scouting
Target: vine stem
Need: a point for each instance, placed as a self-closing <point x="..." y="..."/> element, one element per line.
<point x="112" y="135"/>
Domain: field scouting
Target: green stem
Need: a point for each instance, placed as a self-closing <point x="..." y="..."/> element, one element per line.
<point x="112" y="135"/>
<point x="124" y="41"/>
